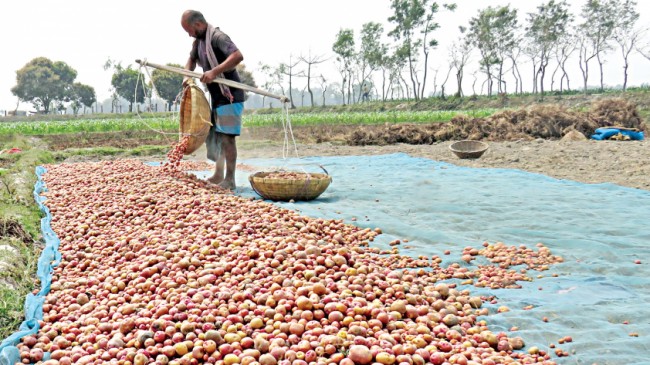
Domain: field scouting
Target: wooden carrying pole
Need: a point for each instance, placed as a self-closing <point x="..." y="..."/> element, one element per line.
<point x="220" y="80"/>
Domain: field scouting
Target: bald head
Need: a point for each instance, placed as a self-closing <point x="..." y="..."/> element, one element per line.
<point x="193" y="16"/>
<point x="194" y="23"/>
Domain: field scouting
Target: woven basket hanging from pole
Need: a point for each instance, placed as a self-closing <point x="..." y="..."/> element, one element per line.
<point x="194" y="116"/>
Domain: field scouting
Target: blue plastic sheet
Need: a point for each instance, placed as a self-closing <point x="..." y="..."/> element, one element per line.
<point x="608" y="132"/>
<point x="49" y="259"/>
<point x="599" y="229"/>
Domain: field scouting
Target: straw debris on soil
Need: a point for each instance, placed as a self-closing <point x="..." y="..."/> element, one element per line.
<point x="10" y="227"/>
<point x="546" y="121"/>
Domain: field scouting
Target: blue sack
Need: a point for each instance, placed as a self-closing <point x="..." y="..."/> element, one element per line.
<point x="607" y="132"/>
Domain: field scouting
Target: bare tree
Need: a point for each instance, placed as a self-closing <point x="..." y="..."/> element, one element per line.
<point x="310" y="61"/>
<point x="587" y="53"/>
<point x="644" y="48"/>
<point x="532" y="51"/>
<point x="459" y="55"/>
<point x="288" y="70"/>
<point x="626" y="34"/>
<point x="474" y="82"/>
<point x="275" y="78"/>
<point x="323" y="87"/>
<point x="514" y="55"/>
<point x="442" y="87"/>
<point x="565" y="48"/>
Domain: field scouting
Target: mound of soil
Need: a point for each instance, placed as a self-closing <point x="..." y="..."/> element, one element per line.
<point x="546" y="121"/>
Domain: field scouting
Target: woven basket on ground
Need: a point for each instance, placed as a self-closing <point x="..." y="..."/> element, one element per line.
<point x="306" y="186"/>
<point x="468" y="149"/>
<point x="194" y="116"/>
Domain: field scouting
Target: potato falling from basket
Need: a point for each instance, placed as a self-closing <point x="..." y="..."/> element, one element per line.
<point x="194" y="117"/>
<point x="289" y="185"/>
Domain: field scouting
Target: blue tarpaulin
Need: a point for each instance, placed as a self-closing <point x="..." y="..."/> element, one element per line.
<point x="50" y="257"/>
<point x="599" y="229"/>
<point x="608" y="132"/>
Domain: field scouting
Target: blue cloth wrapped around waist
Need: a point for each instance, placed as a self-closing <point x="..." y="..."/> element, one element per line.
<point x="229" y="118"/>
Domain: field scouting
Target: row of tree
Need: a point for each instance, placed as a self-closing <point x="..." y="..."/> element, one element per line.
<point x="50" y="86"/>
<point x="550" y="35"/>
<point x="548" y="40"/>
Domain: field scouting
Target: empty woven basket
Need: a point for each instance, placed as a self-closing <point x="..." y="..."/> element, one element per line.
<point x="468" y="149"/>
<point x="194" y="116"/>
<point x="307" y="186"/>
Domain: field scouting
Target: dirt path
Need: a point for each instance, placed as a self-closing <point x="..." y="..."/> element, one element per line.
<point x="622" y="163"/>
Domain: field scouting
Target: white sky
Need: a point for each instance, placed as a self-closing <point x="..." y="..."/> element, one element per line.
<point x="84" y="34"/>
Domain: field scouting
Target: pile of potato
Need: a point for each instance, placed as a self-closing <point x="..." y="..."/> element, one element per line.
<point x="164" y="268"/>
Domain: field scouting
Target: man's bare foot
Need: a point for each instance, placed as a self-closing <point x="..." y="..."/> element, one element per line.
<point x="215" y="179"/>
<point x="227" y="184"/>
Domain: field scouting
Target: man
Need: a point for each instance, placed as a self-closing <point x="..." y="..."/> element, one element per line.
<point x="218" y="57"/>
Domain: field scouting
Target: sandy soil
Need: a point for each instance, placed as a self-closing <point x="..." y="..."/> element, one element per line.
<point x="623" y="163"/>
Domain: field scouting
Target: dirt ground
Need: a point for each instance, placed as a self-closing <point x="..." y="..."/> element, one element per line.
<point x="625" y="163"/>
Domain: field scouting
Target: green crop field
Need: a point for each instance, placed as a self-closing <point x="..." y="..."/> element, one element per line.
<point x="168" y="123"/>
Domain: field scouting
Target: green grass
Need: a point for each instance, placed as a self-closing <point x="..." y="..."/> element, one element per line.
<point x="168" y="124"/>
<point x="21" y="276"/>
<point x="428" y="110"/>
<point x="87" y="126"/>
<point x="358" y="118"/>
<point x="17" y="203"/>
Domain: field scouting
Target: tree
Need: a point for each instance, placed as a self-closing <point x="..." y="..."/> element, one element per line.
<point x="246" y="77"/>
<point x="344" y="48"/>
<point x="398" y="62"/>
<point x="513" y="55"/>
<point x="413" y="17"/>
<point x="167" y="84"/>
<point x="643" y="49"/>
<point x="274" y="77"/>
<point x="459" y="54"/>
<point x="444" y="82"/>
<point x="566" y="45"/>
<point x="288" y="70"/>
<point x="82" y="95"/>
<point x="544" y="29"/>
<point x="428" y="44"/>
<point x="596" y="33"/>
<point x="125" y="83"/>
<point x="492" y="32"/>
<point x="625" y="33"/>
<point x="372" y="53"/>
<point x="311" y="60"/>
<point x="323" y="87"/>
<point x="44" y="83"/>
<point x="531" y="50"/>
